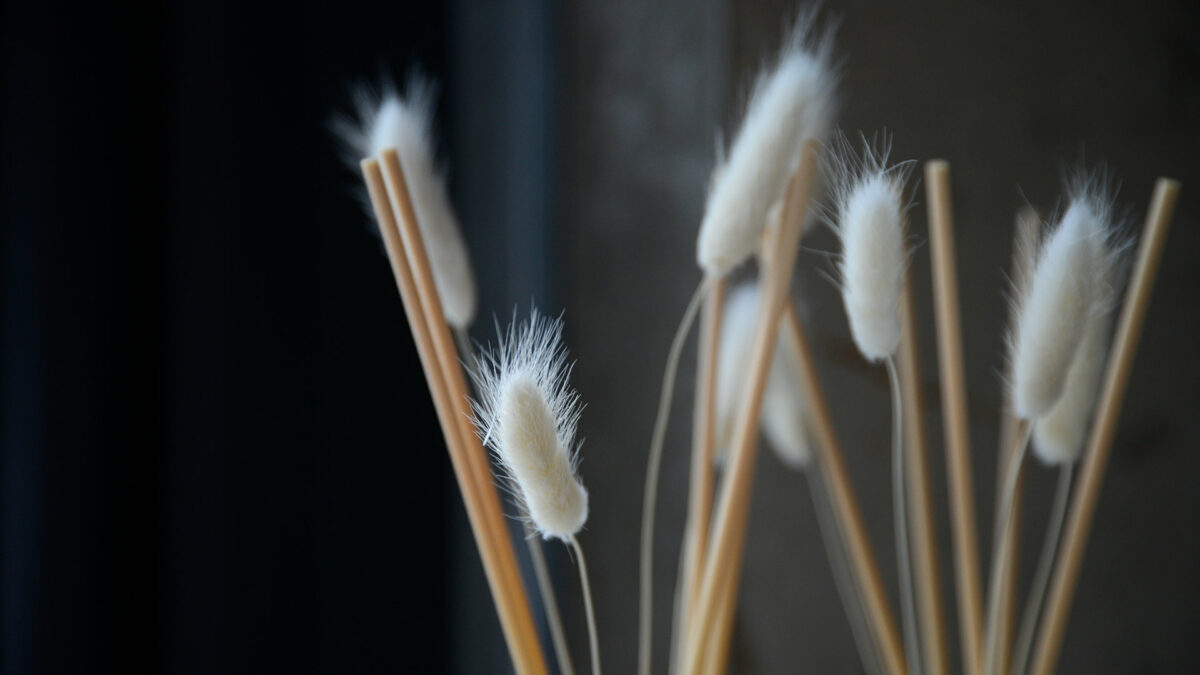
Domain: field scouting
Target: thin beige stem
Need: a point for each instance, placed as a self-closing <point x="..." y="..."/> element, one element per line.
<point x="923" y="529"/>
<point x="725" y="553"/>
<point x="1025" y="238"/>
<point x="593" y="640"/>
<point x="495" y="550"/>
<point x="720" y="637"/>
<point x="1002" y="539"/>
<point x="908" y="606"/>
<point x="954" y="404"/>
<point x="839" y="566"/>
<point x="832" y="465"/>
<point x="650" y="490"/>
<point x="1041" y="578"/>
<point x="1104" y="426"/>
<point x="703" y="432"/>
<point x="541" y="573"/>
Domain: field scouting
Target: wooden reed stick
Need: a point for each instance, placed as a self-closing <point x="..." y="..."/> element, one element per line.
<point x="720" y="638"/>
<point x="830" y="461"/>
<point x="954" y="413"/>
<point x="922" y="525"/>
<point x="414" y="277"/>
<point x="1025" y="233"/>
<point x="724" y="555"/>
<point x="703" y="432"/>
<point x="1104" y="426"/>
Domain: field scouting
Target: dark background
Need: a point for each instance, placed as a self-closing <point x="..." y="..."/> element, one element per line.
<point x="218" y="451"/>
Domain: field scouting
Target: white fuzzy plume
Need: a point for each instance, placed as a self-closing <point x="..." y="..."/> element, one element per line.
<point x="1061" y="299"/>
<point x="406" y="124"/>
<point x="527" y="414"/>
<point x="791" y="103"/>
<point x="1059" y="436"/>
<point x="869" y="217"/>
<point x="782" y="418"/>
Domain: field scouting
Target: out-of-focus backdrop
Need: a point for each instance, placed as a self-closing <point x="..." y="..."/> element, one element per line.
<point x="218" y="454"/>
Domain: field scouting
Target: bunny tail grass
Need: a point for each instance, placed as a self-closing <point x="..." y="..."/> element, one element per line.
<point x="405" y="122"/>
<point x="653" y="465"/>
<point x="908" y="603"/>
<point x="869" y="219"/>
<point x="1069" y="274"/>
<point x="1041" y="578"/>
<point x="527" y="414"/>
<point x="1059" y="436"/>
<point x="1000" y="562"/>
<point x="541" y="573"/>
<point x="792" y="102"/>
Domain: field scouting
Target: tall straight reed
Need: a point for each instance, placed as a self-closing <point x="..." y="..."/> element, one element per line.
<point x="1104" y="426"/>
<point x="954" y="413"/>
<point x="496" y="551"/>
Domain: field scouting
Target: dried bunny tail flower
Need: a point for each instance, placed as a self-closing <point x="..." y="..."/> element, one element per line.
<point x="1060" y="435"/>
<point x="792" y="102"/>
<point x="869" y="216"/>
<point x="527" y="414"/>
<point x="1062" y="295"/>
<point x="783" y="408"/>
<point x="387" y="120"/>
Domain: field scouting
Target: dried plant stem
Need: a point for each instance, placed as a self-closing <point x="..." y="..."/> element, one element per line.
<point x="1025" y="236"/>
<point x="845" y="506"/>
<point x="587" y="605"/>
<point x="541" y="572"/>
<point x="650" y="492"/>
<point x="701" y="483"/>
<point x="483" y="509"/>
<point x="848" y="590"/>
<point x="954" y="403"/>
<point x="1104" y="426"/>
<point x="720" y="636"/>
<point x="1041" y="578"/>
<point x="922" y="531"/>
<point x="903" y="558"/>
<point x="725" y="552"/>
<point x="1002" y="539"/>
<point x="703" y="432"/>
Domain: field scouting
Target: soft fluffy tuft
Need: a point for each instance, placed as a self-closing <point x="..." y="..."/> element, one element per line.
<point x="1067" y="289"/>
<point x="527" y="414"/>
<point x="869" y="217"/>
<point x="782" y="418"/>
<point x="405" y="123"/>
<point x="792" y="101"/>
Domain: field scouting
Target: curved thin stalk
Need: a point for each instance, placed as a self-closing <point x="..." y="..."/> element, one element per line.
<point x="1041" y="579"/>
<point x="650" y="496"/>
<point x="587" y="605"/>
<point x="991" y="653"/>
<point x="903" y="560"/>
<point x="847" y="589"/>
<point x="541" y="572"/>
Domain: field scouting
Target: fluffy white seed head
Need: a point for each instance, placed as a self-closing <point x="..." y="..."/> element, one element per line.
<point x="869" y="217"/>
<point x="1059" y="436"/>
<point x="406" y="124"/>
<point x="792" y="102"/>
<point x="1067" y="286"/>
<point x="782" y="418"/>
<point x="527" y="414"/>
